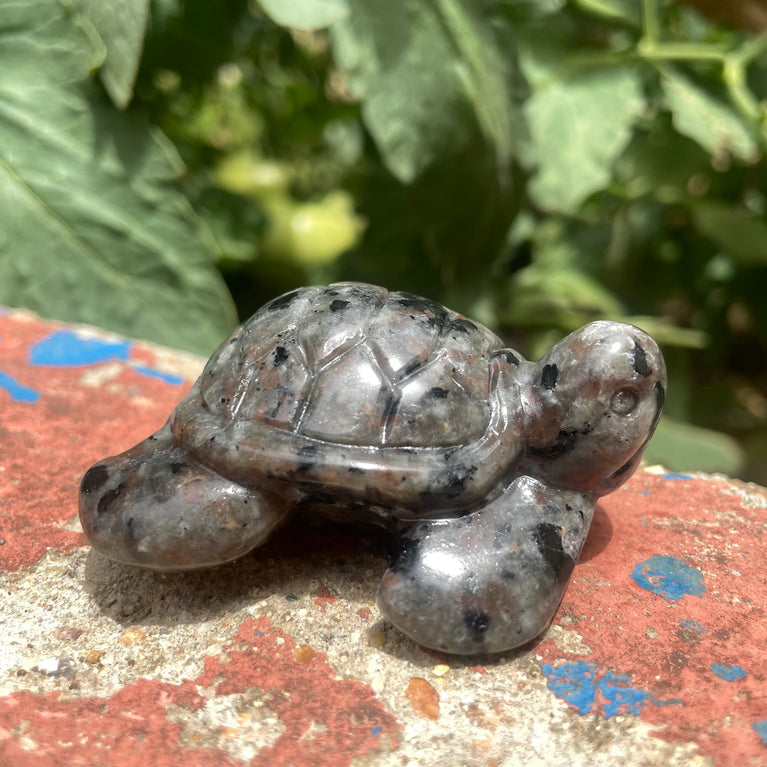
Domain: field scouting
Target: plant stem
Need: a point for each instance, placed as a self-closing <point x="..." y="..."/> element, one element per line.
<point x="650" y="24"/>
<point x="607" y="10"/>
<point x="656" y="51"/>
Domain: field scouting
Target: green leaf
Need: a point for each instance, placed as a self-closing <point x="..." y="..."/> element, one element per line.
<point x="430" y="74"/>
<point x="667" y="334"/>
<point x="681" y="446"/>
<point x="121" y="24"/>
<point x="660" y="164"/>
<point x="741" y="235"/>
<point x="566" y="297"/>
<point x="703" y="118"/>
<point x="579" y="122"/>
<point x="92" y="230"/>
<point x="305" y="14"/>
<point x="484" y="72"/>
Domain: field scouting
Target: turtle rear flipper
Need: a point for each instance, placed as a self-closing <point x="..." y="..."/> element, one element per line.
<point x="156" y="506"/>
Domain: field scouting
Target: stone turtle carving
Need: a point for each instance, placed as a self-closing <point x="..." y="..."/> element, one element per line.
<point x="352" y="403"/>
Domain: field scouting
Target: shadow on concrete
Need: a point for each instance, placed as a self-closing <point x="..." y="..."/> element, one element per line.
<point x="289" y="569"/>
<point x="292" y="565"/>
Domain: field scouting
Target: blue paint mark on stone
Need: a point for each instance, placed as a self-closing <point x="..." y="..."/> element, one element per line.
<point x="694" y="626"/>
<point x="65" y="348"/>
<point x="155" y="373"/>
<point x="577" y="683"/>
<point x="674" y="475"/>
<point x="18" y="392"/>
<point x="761" y="730"/>
<point x="573" y="683"/>
<point x="646" y="492"/>
<point x="728" y="672"/>
<point x="376" y="730"/>
<point x="669" y="577"/>
<point x="622" y="698"/>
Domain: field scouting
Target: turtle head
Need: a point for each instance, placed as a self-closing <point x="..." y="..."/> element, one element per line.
<point x="595" y="402"/>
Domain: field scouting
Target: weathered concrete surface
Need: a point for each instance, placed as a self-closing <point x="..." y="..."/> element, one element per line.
<point x="656" y="656"/>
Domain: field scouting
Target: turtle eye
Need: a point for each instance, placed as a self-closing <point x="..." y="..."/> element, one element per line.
<point x="623" y="401"/>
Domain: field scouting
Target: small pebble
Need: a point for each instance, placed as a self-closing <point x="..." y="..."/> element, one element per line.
<point x="303" y="653"/>
<point x="423" y="697"/>
<point x="132" y="636"/>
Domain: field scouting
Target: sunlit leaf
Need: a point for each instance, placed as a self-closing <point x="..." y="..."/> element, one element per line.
<point x="92" y="230"/>
<point x="429" y="74"/>
<point x="121" y="24"/>
<point x="305" y="14"/>
<point x="579" y="122"/>
<point x="705" y="119"/>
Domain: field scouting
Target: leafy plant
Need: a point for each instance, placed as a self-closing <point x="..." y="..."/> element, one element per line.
<point x="534" y="163"/>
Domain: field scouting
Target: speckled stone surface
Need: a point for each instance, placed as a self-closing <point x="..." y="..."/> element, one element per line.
<point x="355" y="404"/>
<point x="655" y="655"/>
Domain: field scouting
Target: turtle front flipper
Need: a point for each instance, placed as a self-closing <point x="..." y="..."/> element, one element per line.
<point x="156" y="506"/>
<point x="493" y="579"/>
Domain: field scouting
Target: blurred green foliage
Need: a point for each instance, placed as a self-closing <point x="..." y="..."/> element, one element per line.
<point x="535" y="164"/>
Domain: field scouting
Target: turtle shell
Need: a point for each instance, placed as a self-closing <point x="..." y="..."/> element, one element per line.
<point x="354" y="364"/>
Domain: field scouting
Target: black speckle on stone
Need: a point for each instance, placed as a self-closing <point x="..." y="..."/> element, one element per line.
<point x="338" y="305"/>
<point x="549" y="376"/>
<point x="462" y="325"/>
<point x="130" y="526"/>
<point x="109" y="498"/>
<point x="409" y="555"/>
<point x="660" y="396"/>
<point x="356" y="470"/>
<point x="234" y="340"/>
<point x="280" y="356"/>
<point x="438" y="392"/>
<point x="477" y="622"/>
<point x="640" y="361"/>
<point x="94" y="478"/>
<point x="548" y="539"/>
<point x="564" y="443"/>
<point x="508" y="575"/>
<point x="176" y="467"/>
<point x="412" y="366"/>
<point x="435" y="314"/>
<point x="453" y="479"/>
<point x="506" y="355"/>
<point x="307" y="451"/>
<point x="282" y="302"/>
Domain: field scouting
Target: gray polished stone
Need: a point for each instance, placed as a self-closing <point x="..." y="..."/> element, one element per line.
<point x="350" y="402"/>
